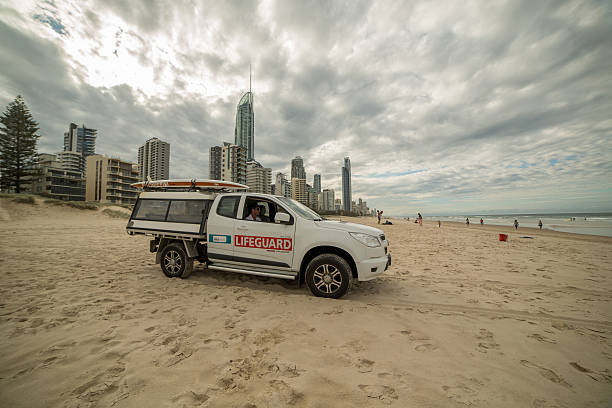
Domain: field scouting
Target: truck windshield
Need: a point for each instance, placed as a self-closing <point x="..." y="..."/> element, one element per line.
<point x="300" y="209"/>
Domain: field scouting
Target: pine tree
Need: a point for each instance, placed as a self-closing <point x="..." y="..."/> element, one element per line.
<point x="18" y="155"/>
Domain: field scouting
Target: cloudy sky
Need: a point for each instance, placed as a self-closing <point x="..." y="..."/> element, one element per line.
<point x="462" y="107"/>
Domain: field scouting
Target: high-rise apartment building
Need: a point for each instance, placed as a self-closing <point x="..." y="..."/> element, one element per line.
<point x="282" y="186"/>
<point x="313" y="197"/>
<point x="297" y="168"/>
<point x="233" y="163"/>
<point x="317" y="183"/>
<point x="109" y="179"/>
<point x="214" y="163"/>
<point x="81" y="141"/>
<point x="298" y="190"/>
<point x="154" y="160"/>
<point x="244" y="132"/>
<point x="259" y="178"/>
<point x="346" y="184"/>
<point x="326" y="202"/>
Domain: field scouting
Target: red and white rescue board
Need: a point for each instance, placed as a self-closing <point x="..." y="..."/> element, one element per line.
<point x="191" y="183"/>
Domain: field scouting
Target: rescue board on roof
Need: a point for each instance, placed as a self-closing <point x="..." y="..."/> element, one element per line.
<point x="191" y="183"/>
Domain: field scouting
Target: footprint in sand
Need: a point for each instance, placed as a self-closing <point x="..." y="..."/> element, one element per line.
<point x="383" y="393"/>
<point x="601" y="376"/>
<point x="425" y="347"/>
<point x="488" y="342"/>
<point x="190" y="399"/>
<point x="364" y="365"/>
<point x="546" y="373"/>
<point x="542" y="339"/>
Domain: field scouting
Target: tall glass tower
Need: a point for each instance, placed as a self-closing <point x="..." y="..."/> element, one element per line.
<point x="244" y="132"/>
<point x="346" y="185"/>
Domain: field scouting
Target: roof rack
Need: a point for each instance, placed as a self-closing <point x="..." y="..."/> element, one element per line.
<point x="189" y="185"/>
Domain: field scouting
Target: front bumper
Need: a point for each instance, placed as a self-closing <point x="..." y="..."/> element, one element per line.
<point x="373" y="267"/>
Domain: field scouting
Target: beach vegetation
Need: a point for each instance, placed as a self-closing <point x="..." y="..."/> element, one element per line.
<point x="81" y="205"/>
<point x="18" y="154"/>
<point x="24" y="199"/>
<point x="115" y="213"/>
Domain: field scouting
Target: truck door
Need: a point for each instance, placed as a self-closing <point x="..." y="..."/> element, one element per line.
<point x="261" y="244"/>
<point x="220" y="228"/>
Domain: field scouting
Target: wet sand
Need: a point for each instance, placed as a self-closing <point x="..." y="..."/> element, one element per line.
<point x="88" y="319"/>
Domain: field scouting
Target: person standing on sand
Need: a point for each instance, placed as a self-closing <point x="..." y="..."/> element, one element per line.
<point x="439" y="224"/>
<point x="516" y="224"/>
<point x="540" y="224"/>
<point x="481" y="221"/>
<point x="467" y="222"/>
<point x="420" y="219"/>
<point x="378" y="215"/>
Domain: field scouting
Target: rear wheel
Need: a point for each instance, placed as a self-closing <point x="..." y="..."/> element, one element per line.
<point x="329" y="275"/>
<point x="174" y="261"/>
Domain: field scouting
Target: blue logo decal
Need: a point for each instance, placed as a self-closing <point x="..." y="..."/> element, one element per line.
<point x="219" y="239"/>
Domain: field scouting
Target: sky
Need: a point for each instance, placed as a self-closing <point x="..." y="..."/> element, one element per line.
<point x="470" y="107"/>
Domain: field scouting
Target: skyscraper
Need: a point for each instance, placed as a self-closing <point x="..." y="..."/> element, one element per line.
<point x="317" y="183"/>
<point x="298" y="190"/>
<point x="346" y="185"/>
<point x="297" y="168"/>
<point x="326" y="202"/>
<point x="282" y="186"/>
<point x="258" y="178"/>
<point x="80" y="141"/>
<point x="154" y="160"/>
<point x="214" y="163"/>
<point x="233" y="163"/>
<point x="244" y="132"/>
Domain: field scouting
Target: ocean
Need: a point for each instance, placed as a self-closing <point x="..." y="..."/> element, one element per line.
<point x="578" y="223"/>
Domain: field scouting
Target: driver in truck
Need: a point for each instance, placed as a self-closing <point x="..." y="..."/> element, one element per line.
<point x="254" y="213"/>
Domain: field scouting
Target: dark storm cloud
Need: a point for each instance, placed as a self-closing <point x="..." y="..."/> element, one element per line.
<point x="435" y="105"/>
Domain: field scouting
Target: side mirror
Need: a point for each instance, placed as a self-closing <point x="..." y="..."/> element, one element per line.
<point x="282" y="218"/>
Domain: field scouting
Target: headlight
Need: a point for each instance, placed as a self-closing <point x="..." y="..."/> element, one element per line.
<point x="365" y="239"/>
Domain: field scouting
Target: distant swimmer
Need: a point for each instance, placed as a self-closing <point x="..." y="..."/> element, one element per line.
<point x="540" y="224"/>
<point x="467" y="221"/>
<point x="481" y="221"/>
<point x="516" y="224"/>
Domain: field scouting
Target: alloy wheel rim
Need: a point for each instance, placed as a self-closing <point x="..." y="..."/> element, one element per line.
<point x="327" y="278"/>
<point x="173" y="262"/>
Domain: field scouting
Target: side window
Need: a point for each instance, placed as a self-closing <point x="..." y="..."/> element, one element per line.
<point x="228" y="206"/>
<point x="153" y="210"/>
<point x="190" y="211"/>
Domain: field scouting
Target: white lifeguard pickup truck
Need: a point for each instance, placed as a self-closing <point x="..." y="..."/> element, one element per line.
<point x="257" y="234"/>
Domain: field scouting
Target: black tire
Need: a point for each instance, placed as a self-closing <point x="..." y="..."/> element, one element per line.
<point x="174" y="261"/>
<point x="329" y="276"/>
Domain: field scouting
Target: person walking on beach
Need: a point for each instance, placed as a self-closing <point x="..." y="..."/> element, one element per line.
<point x="420" y="219"/>
<point x="515" y="224"/>
<point x="439" y="224"/>
<point x="481" y="221"/>
<point x="378" y="214"/>
<point x="467" y="222"/>
<point x="540" y="224"/>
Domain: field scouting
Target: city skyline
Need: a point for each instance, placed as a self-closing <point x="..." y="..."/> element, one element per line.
<point x="502" y="109"/>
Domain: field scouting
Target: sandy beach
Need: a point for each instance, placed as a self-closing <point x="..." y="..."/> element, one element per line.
<point x="460" y="319"/>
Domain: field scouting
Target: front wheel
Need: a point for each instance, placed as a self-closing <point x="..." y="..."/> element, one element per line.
<point x="329" y="275"/>
<point x="174" y="261"/>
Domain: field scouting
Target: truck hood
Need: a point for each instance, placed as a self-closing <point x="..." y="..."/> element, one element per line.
<point x="349" y="227"/>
